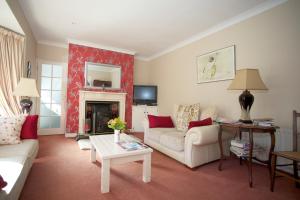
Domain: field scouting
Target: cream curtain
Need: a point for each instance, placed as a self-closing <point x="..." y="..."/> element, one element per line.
<point x="12" y="47"/>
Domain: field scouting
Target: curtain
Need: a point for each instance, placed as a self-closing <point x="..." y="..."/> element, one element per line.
<point x="12" y="47"/>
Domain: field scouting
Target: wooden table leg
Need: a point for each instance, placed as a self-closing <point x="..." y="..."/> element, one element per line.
<point x="240" y="137"/>
<point x="105" y="173"/>
<point x="221" y="147"/>
<point x="272" y="135"/>
<point x="273" y="173"/>
<point x="250" y="157"/>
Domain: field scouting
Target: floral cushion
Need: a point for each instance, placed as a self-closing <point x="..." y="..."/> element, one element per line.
<point x="184" y="114"/>
<point x="10" y="129"/>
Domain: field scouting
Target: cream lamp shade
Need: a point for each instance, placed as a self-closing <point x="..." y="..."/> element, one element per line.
<point x="247" y="79"/>
<point x="27" y="88"/>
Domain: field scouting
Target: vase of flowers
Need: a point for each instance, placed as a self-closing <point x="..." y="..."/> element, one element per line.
<point x="117" y="124"/>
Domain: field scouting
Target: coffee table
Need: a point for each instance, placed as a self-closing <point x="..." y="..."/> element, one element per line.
<point x="111" y="154"/>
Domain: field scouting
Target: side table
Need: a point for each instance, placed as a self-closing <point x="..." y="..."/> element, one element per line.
<point x="238" y="128"/>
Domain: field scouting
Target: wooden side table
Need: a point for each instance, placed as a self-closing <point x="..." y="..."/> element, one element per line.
<point x="238" y="128"/>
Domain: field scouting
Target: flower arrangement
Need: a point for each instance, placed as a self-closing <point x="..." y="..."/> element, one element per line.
<point x="116" y="124"/>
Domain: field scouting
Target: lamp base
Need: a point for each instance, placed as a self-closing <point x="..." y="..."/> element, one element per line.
<point x="26" y="105"/>
<point x="246" y="100"/>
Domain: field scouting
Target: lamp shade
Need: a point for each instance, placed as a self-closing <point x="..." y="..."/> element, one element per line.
<point x="247" y="79"/>
<point x="26" y="87"/>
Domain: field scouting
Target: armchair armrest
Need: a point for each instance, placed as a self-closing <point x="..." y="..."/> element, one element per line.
<point x="202" y="135"/>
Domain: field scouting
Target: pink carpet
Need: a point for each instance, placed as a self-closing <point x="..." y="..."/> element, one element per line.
<point x="63" y="171"/>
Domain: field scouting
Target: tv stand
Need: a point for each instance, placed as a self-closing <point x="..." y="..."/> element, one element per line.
<point x="139" y="112"/>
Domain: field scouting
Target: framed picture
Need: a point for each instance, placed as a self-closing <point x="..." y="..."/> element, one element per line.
<point x="216" y="66"/>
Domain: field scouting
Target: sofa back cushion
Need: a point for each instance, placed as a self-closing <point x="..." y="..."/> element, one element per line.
<point x="29" y="128"/>
<point x="160" y="121"/>
<point x="209" y="112"/>
<point x="204" y="122"/>
<point x="10" y="129"/>
<point x="184" y="114"/>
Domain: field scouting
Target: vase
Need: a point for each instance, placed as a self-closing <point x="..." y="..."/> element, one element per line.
<point x="116" y="136"/>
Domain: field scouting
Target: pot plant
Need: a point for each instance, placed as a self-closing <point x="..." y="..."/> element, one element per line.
<point x="117" y="125"/>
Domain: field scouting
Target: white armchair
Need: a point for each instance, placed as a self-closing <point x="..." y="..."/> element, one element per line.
<point x="197" y="146"/>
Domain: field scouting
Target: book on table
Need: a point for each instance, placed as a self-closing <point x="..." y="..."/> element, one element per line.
<point x="132" y="145"/>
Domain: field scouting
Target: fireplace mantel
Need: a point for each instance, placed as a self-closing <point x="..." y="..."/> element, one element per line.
<point x="85" y="95"/>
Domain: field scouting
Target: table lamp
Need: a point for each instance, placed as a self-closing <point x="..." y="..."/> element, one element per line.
<point x="26" y="88"/>
<point x="247" y="79"/>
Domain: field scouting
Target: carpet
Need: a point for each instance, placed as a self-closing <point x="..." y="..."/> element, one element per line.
<point x="64" y="172"/>
<point x="84" y="144"/>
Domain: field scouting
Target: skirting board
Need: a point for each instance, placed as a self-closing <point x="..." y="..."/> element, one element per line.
<point x="70" y="135"/>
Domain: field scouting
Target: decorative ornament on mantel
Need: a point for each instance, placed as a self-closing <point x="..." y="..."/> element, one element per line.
<point x="117" y="124"/>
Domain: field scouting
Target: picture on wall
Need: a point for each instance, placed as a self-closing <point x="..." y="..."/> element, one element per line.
<point x="217" y="65"/>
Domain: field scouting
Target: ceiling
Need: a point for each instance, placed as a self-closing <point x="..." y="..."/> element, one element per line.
<point x="147" y="27"/>
<point x="7" y="18"/>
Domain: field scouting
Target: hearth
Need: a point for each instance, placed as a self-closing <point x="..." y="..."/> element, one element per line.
<point x="97" y="114"/>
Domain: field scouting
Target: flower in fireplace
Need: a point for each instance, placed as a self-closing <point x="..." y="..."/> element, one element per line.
<point x="116" y="124"/>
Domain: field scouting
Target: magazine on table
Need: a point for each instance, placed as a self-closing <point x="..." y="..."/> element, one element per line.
<point x="132" y="145"/>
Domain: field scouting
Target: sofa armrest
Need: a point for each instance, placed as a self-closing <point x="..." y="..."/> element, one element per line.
<point x="203" y="135"/>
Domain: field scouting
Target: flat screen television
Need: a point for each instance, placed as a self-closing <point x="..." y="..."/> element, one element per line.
<point x="145" y="95"/>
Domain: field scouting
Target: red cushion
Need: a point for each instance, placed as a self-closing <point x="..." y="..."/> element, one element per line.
<point x="2" y="183"/>
<point x="160" y="121"/>
<point x="204" y="122"/>
<point x="29" y="128"/>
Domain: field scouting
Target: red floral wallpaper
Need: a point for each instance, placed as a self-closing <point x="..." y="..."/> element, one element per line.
<point x="78" y="55"/>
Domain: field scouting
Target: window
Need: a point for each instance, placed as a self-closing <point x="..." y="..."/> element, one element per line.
<point x="51" y="95"/>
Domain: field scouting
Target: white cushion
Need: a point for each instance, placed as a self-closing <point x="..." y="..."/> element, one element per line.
<point x="155" y="133"/>
<point x="210" y="111"/>
<point x="10" y="170"/>
<point x="26" y="148"/>
<point x="10" y="129"/>
<point x="173" y="140"/>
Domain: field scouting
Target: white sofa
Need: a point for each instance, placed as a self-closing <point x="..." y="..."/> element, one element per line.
<point x="15" y="163"/>
<point x="197" y="146"/>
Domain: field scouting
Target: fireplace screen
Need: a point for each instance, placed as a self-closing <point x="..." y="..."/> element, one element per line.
<point x="97" y="114"/>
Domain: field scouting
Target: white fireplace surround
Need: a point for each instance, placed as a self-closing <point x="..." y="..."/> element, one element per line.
<point x="99" y="96"/>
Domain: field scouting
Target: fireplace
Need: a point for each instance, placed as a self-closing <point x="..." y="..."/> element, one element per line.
<point x="98" y="113"/>
<point x="110" y="103"/>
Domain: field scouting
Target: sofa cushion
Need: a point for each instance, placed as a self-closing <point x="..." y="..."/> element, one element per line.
<point x="207" y="112"/>
<point x="10" y="129"/>
<point x="29" y="128"/>
<point x="160" y="121"/>
<point x="173" y="140"/>
<point x="155" y="133"/>
<point x="26" y="148"/>
<point x="204" y="122"/>
<point x="10" y="169"/>
<point x="184" y="114"/>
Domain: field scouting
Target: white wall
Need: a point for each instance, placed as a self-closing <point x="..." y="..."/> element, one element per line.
<point x="269" y="41"/>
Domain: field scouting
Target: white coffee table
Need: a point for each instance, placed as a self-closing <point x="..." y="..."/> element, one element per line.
<point x="111" y="153"/>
